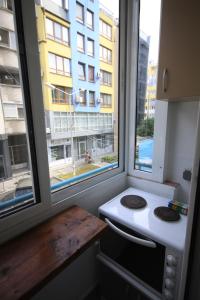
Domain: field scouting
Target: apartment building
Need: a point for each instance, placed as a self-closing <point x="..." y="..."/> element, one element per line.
<point x="13" y="144"/>
<point x="151" y="91"/>
<point x="76" y="42"/>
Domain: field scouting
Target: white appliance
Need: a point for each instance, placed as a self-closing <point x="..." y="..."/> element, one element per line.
<point x="141" y="248"/>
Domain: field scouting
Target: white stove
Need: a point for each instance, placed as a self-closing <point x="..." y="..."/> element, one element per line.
<point x="143" y="249"/>
<point x="144" y="221"/>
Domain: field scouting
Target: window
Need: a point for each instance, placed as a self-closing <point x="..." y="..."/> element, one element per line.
<point x="61" y="95"/>
<point x="61" y="121"/>
<point x="90" y="47"/>
<point x="105" y="29"/>
<point x="91" y="98"/>
<point x="58" y="2"/>
<point x="90" y="19"/>
<point x="79" y="12"/>
<point x="106" y="78"/>
<point x="59" y="64"/>
<point x="57" y="152"/>
<point x="91" y="73"/>
<point x="82" y="97"/>
<point x="146" y="89"/>
<point x="57" y="32"/>
<point x="105" y="54"/>
<point x="106" y="100"/>
<point x="9" y="78"/>
<point x="4" y="37"/>
<point x="80" y="42"/>
<point x="6" y="4"/>
<point x="81" y="71"/>
<point x="18" y="167"/>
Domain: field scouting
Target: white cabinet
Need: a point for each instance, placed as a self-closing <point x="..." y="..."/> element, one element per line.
<point x="179" y="55"/>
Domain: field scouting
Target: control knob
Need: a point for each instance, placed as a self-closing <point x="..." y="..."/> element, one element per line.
<point x="167" y="295"/>
<point x="171" y="260"/>
<point x="170" y="272"/>
<point x="169" y="283"/>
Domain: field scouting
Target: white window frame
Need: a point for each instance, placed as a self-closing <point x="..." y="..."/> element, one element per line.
<point x="52" y="203"/>
<point x="161" y="111"/>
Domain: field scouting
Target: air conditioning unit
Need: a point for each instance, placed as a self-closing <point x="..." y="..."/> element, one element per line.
<point x="99" y="100"/>
<point x="98" y="75"/>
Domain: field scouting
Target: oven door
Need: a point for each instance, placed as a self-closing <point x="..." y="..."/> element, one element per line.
<point x="134" y="253"/>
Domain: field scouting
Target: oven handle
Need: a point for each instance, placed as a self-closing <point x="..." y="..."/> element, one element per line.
<point x="129" y="237"/>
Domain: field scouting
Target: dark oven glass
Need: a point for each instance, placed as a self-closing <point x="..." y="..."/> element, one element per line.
<point x="145" y="263"/>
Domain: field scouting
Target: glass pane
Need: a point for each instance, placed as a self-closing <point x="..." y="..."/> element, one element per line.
<point x="49" y="27"/>
<point x="58" y="31"/>
<point x="16" y="184"/>
<point x="65" y="35"/>
<point x="146" y="83"/>
<point x="81" y="108"/>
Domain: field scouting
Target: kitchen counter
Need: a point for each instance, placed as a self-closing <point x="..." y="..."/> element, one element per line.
<point x="28" y="262"/>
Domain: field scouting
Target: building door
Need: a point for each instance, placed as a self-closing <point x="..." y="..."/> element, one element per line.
<point x="82" y="149"/>
<point x="2" y="168"/>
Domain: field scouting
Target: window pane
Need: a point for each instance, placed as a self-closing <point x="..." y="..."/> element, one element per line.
<point x="146" y="83"/>
<point x="4" y="37"/>
<point x="90" y="49"/>
<point x="85" y="123"/>
<point x="58" y="31"/>
<point x="90" y="19"/>
<point x="79" y="12"/>
<point x="65" y="35"/>
<point x="80" y="42"/>
<point x="16" y="183"/>
<point x="49" y="27"/>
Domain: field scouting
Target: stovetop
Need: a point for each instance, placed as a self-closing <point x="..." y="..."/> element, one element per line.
<point x="144" y="221"/>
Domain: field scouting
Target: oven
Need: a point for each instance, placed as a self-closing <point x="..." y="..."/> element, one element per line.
<point x="150" y="268"/>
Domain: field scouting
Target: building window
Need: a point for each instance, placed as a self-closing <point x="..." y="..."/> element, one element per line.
<point x="79" y="12"/>
<point x="82" y="97"/>
<point x="58" y="2"/>
<point x="90" y="47"/>
<point x="80" y="42"/>
<point x="91" y="98"/>
<point x="57" y="152"/>
<point x="91" y="73"/>
<point x="6" y="4"/>
<point x="90" y="19"/>
<point x="106" y="100"/>
<point x="106" y="78"/>
<point x="61" y="95"/>
<point x="59" y="64"/>
<point x="81" y="71"/>
<point x="105" y="54"/>
<point x="61" y="121"/>
<point x="105" y="29"/>
<point x="13" y="111"/>
<point x="9" y="78"/>
<point x="4" y="37"/>
<point x="57" y="32"/>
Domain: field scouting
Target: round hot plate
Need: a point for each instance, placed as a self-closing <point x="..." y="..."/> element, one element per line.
<point x="133" y="201"/>
<point x="166" y="214"/>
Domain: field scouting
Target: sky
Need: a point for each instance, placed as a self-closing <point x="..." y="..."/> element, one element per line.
<point x="150" y="24"/>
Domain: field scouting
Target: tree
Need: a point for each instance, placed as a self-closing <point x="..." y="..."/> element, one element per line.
<point x="146" y="128"/>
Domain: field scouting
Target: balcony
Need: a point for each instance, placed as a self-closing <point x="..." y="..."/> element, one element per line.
<point x="6" y="19"/>
<point x="11" y="93"/>
<point x="8" y="58"/>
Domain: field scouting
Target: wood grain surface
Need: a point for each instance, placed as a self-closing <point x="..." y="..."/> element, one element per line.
<point x="28" y="262"/>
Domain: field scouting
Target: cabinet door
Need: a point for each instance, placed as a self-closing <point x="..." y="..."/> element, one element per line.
<point x="179" y="55"/>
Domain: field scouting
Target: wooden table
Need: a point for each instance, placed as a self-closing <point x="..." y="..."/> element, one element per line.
<point x="28" y="262"/>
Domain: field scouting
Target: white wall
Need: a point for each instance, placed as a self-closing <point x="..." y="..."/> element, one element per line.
<point x="181" y="139"/>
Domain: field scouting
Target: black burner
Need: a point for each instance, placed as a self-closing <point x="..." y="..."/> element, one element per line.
<point x="133" y="201"/>
<point x="166" y="214"/>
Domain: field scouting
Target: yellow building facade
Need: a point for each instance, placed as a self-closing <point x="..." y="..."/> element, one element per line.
<point x="49" y="45"/>
<point x="106" y="41"/>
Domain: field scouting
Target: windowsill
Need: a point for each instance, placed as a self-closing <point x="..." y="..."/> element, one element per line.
<point x="80" y="21"/>
<point x="66" y="75"/>
<point x="58" y="41"/>
<point x="42" y="248"/>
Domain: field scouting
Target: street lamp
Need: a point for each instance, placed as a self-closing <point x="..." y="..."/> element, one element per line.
<point x="71" y="125"/>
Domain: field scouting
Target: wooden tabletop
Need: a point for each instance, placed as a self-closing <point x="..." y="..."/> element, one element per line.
<point x="28" y="262"/>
